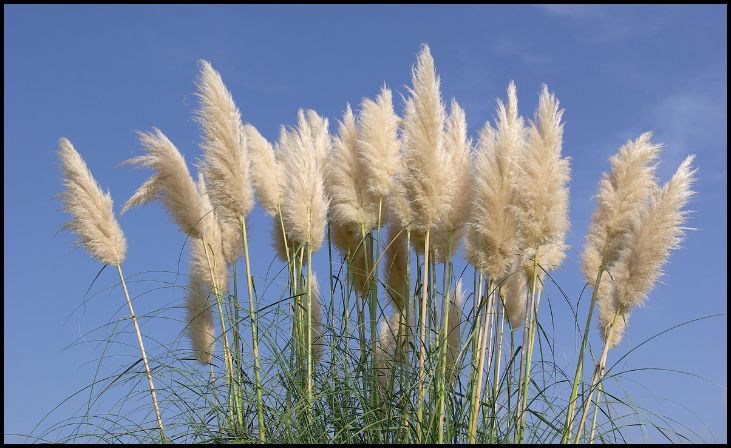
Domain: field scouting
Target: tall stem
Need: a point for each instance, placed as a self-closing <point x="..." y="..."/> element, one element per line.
<point x="598" y="373"/>
<point x="254" y="333"/>
<point x="422" y="344"/>
<point x="500" y="304"/>
<point x="534" y="303"/>
<point x="155" y="406"/>
<point x="309" y="328"/>
<point x="474" y="412"/>
<point x="228" y="365"/>
<point x="579" y="364"/>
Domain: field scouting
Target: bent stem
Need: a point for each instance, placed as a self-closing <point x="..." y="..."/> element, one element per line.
<point x="155" y="406"/>
<point x="254" y="333"/>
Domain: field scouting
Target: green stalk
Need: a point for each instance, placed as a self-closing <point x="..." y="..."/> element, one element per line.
<point x="446" y="286"/>
<point x="500" y="305"/>
<point x="596" y="411"/>
<point x="254" y="334"/>
<point x="155" y="406"/>
<point x="534" y="303"/>
<point x="407" y="338"/>
<point x="477" y="396"/>
<point x="422" y="345"/>
<point x="579" y="364"/>
<point x="226" y="352"/>
<point x="598" y="373"/>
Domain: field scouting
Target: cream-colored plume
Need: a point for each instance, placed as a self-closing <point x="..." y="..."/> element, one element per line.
<point x="171" y="183"/>
<point x="352" y="204"/>
<point x="92" y="216"/>
<point x="266" y="171"/>
<point x="304" y="204"/>
<point x="428" y="186"/>
<point x="379" y="149"/>
<point x="200" y="320"/>
<point x="494" y="214"/>
<point x="390" y="347"/>
<point x="622" y="194"/>
<point x="458" y="147"/>
<point x="226" y="160"/>
<point x="654" y="233"/>
<point x="612" y="330"/>
<point x="543" y="176"/>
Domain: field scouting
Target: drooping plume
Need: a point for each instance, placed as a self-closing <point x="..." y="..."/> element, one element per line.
<point x="171" y="183"/>
<point x="515" y="297"/>
<point x="352" y="205"/>
<point x="226" y="160"/>
<point x="611" y="329"/>
<point x="454" y="337"/>
<point x="494" y="214"/>
<point x="229" y="235"/>
<point x="543" y="194"/>
<point x="92" y="216"/>
<point x="200" y="264"/>
<point x="200" y="320"/>
<point x="396" y="253"/>
<point x="427" y="185"/>
<point x="318" y="336"/>
<point x="458" y="147"/>
<point x="390" y="347"/>
<point x="378" y="144"/>
<point x="622" y="193"/>
<point x="304" y="205"/>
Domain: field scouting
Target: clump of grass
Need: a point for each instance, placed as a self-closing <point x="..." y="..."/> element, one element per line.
<point x="462" y="377"/>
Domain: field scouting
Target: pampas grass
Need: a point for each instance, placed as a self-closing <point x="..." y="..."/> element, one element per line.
<point x="304" y="204"/>
<point x="92" y="217"/>
<point x="494" y="215"/>
<point x="420" y="175"/>
<point x="171" y="182"/>
<point x="226" y="159"/>
<point x="378" y="144"/>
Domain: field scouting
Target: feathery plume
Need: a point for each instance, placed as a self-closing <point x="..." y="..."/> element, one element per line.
<point x="226" y="160"/>
<point x="387" y="349"/>
<point x="654" y="233"/>
<point x="378" y="144"/>
<point x="352" y="205"/>
<point x="266" y="171"/>
<point x="231" y="245"/>
<point x="314" y="128"/>
<point x="621" y="194"/>
<point x="211" y="233"/>
<point x="458" y="148"/>
<point x="549" y="256"/>
<point x="543" y="195"/>
<point x="200" y="320"/>
<point x="304" y="205"/>
<point x="427" y="185"/>
<point x="171" y="182"/>
<point x="611" y="329"/>
<point x="92" y="216"/>
<point x="493" y="208"/>
<point x="395" y="255"/>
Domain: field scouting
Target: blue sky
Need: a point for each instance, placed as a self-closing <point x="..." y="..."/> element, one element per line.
<point x="95" y="74"/>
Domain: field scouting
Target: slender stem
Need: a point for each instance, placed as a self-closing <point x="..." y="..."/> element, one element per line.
<point x="596" y="411"/>
<point x="534" y="304"/>
<point x="254" y="333"/>
<point x="228" y="365"/>
<point x="422" y="344"/>
<point x="155" y="406"/>
<point x="407" y="337"/>
<point x="500" y="304"/>
<point x="472" y="430"/>
<point x="309" y="327"/>
<point x="579" y="364"/>
<point x="598" y="373"/>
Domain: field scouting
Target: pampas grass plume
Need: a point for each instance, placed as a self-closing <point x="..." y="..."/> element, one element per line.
<point x="200" y="320"/>
<point x="171" y="182"/>
<point x="92" y="216"/>
<point x="266" y="172"/>
<point x="378" y="144"/>
<point x="226" y="159"/>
